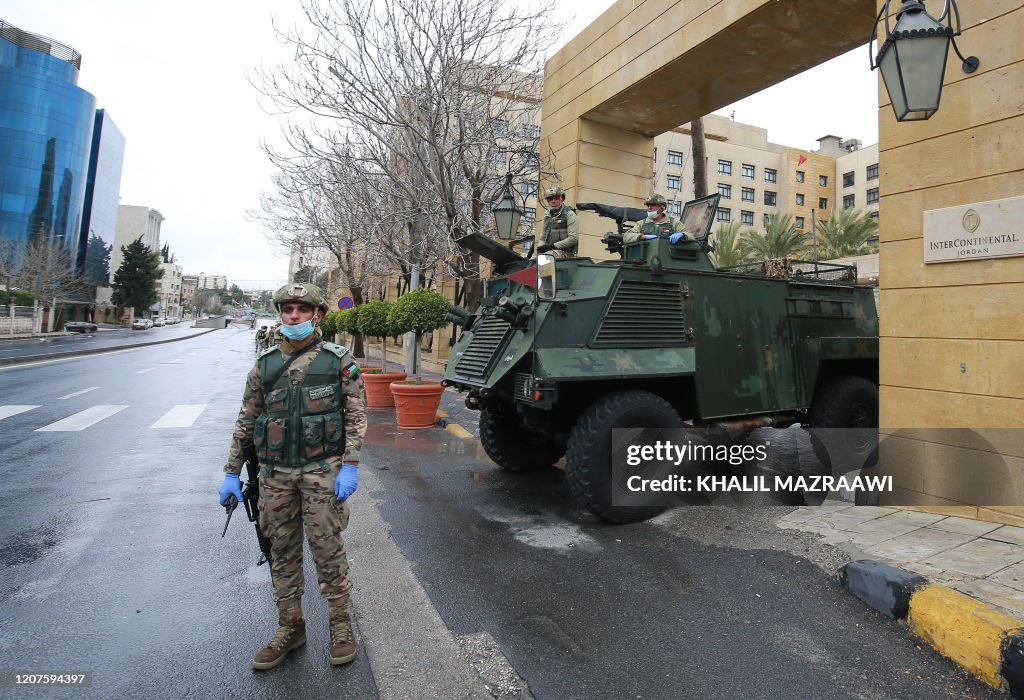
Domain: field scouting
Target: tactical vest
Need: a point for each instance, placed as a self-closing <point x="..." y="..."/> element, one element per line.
<point x="663" y="228"/>
<point x="556" y="228"/>
<point x="301" y="423"/>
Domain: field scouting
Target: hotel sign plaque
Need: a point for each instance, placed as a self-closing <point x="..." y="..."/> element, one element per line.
<point x="976" y="231"/>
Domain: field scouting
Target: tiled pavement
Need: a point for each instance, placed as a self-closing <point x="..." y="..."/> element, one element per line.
<point x="981" y="559"/>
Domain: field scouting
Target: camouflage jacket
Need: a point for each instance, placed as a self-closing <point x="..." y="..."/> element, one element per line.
<point x="664" y="228"/>
<point x="562" y="228"/>
<point x="353" y="409"/>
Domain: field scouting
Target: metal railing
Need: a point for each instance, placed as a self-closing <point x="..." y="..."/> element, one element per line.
<point x="38" y="42"/>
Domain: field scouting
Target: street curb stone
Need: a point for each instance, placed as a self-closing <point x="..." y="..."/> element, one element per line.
<point x="982" y="640"/>
<point x="25" y="359"/>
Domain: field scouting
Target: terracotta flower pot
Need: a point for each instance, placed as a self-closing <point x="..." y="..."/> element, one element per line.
<point x="378" y="388"/>
<point x="416" y="404"/>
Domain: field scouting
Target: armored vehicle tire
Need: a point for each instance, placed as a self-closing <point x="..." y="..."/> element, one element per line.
<point x="511" y="446"/>
<point x="588" y="462"/>
<point x="846" y="413"/>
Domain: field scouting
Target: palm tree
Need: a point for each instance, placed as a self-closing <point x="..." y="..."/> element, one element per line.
<point x="728" y="240"/>
<point x="846" y="234"/>
<point x="781" y="239"/>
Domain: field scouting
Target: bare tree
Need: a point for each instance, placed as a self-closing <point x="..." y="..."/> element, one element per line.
<point x="432" y="95"/>
<point x="48" y="271"/>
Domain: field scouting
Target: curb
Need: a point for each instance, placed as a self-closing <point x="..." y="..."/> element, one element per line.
<point x="25" y="359"/>
<point x="985" y="642"/>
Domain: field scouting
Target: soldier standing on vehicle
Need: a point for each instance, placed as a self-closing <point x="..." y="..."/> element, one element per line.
<point x="657" y="224"/>
<point x="304" y="410"/>
<point x="561" y="226"/>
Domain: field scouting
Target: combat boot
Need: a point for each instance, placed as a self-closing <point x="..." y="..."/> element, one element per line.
<point x="290" y="635"/>
<point x="343" y="641"/>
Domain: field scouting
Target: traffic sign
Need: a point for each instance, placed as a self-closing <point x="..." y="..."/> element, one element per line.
<point x="345" y="303"/>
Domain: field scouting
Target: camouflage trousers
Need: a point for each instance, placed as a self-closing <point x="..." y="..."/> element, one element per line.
<point x="291" y="502"/>
<point x="562" y="254"/>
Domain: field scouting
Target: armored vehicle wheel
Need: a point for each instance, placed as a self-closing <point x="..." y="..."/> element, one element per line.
<point x="512" y="446"/>
<point x="588" y="463"/>
<point x="845" y="412"/>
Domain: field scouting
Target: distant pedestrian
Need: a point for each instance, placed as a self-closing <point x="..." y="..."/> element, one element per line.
<point x="304" y="410"/>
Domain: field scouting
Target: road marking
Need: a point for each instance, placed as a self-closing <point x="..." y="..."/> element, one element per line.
<point x="173" y="361"/>
<point x="8" y="411"/>
<point x="458" y="431"/>
<point x="442" y="414"/>
<point x="77" y="393"/>
<point x="143" y="371"/>
<point x="82" y="419"/>
<point x="181" y="416"/>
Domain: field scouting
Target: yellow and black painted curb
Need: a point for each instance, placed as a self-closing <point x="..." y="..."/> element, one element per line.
<point x="982" y="640"/>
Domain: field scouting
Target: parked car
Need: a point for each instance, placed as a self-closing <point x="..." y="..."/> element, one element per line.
<point x="158" y="323"/>
<point x="142" y="324"/>
<point x="80" y="327"/>
<point x="172" y="319"/>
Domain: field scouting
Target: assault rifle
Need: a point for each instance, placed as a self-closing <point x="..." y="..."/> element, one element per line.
<point x="251" y="501"/>
<point x="613" y="241"/>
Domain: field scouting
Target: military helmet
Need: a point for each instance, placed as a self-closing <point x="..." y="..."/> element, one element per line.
<point x="656" y="199"/>
<point x="300" y="292"/>
<point x="554" y="191"/>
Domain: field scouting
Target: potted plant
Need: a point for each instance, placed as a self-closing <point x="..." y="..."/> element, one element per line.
<point x="419" y="311"/>
<point x="373" y="322"/>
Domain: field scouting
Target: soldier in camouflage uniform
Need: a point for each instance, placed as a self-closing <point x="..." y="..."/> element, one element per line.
<point x="657" y="224"/>
<point x="561" y="226"/>
<point x="307" y="420"/>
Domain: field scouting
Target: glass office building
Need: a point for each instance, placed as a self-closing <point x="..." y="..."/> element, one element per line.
<point x="46" y="127"/>
<point x="99" y="214"/>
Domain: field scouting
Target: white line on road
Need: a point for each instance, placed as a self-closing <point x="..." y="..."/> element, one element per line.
<point x="77" y="393"/>
<point x="143" y="371"/>
<point x="8" y="411"/>
<point x="181" y="416"/>
<point x="173" y="361"/>
<point x="82" y="419"/>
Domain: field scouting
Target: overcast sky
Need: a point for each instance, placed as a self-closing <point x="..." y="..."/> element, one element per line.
<point x="173" y="78"/>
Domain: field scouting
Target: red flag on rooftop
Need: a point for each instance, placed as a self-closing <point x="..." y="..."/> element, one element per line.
<point x="801" y="160"/>
<point x="527" y="277"/>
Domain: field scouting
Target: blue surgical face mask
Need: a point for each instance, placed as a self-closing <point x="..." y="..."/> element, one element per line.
<point x="298" y="331"/>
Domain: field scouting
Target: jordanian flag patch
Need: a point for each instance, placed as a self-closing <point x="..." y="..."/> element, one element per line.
<point x="351" y="372"/>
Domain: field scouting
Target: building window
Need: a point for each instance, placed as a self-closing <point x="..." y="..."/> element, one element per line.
<point x="655" y="154"/>
<point x="799" y="222"/>
<point x="770" y="198"/>
<point x="873" y="172"/>
<point x="747" y="194"/>
<point x="873" y="214"/>
<point x="771" y="175"/>
<point x="723" y="215"/>
<point x="799" y="200"/>
<point x="725" y="191"/>
<point x="529" y="216"/>
<point x="822" y="202"/>
<point x="499" y="127"/>
<point x="873" y="195"/>
<point x="725" y="167"/>
<point x="531" y="131"/>
<point x="746" y="217"/>
<point x="823" y="181"/>
<point x="799" y="175"/>
<point x="675" y="208"/>
<point x="747" y="171"/>
<point x="672" y="182"/>
<point x="674" y="158"/>
<point x="848" y="201"/>
<point x="528" y="189"/>
<point x="765" y="219"/>
<point x="848" y="179"/>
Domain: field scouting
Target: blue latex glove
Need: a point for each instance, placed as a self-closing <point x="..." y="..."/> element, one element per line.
<point x="232" y="486"/>
<point x="676" y="237"/>
<point x="346" y="482"/>
<point x="648" y="237"/>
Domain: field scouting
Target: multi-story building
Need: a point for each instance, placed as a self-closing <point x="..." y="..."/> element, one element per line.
<point x="46" y="125"/>
<point x="99" y="214"/>
<point x="133" y="223"/>
<point x="170" y="291"/>
<point x="758" y="179"/>
<point x="189" y="284"/>
<point x="205" y="281"/>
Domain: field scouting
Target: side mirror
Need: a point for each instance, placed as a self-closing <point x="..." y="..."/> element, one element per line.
<point x="546" y="287"/>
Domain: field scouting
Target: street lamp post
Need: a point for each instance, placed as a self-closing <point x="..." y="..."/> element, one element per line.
<point x="912" y="56"/>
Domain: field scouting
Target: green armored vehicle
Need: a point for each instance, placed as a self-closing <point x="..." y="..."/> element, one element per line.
<point x="562" y="352"/>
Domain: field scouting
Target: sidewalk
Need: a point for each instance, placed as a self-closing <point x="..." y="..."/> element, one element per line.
<point x="958" y="582"/>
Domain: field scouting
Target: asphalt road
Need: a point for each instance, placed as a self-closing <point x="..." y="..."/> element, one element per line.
<point x="111" y="562"/>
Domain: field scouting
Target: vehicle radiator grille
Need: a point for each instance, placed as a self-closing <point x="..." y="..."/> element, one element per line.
<point x="488" y="337"/>
<point x="524" y="386"/>
<point x="643" y="315"/>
